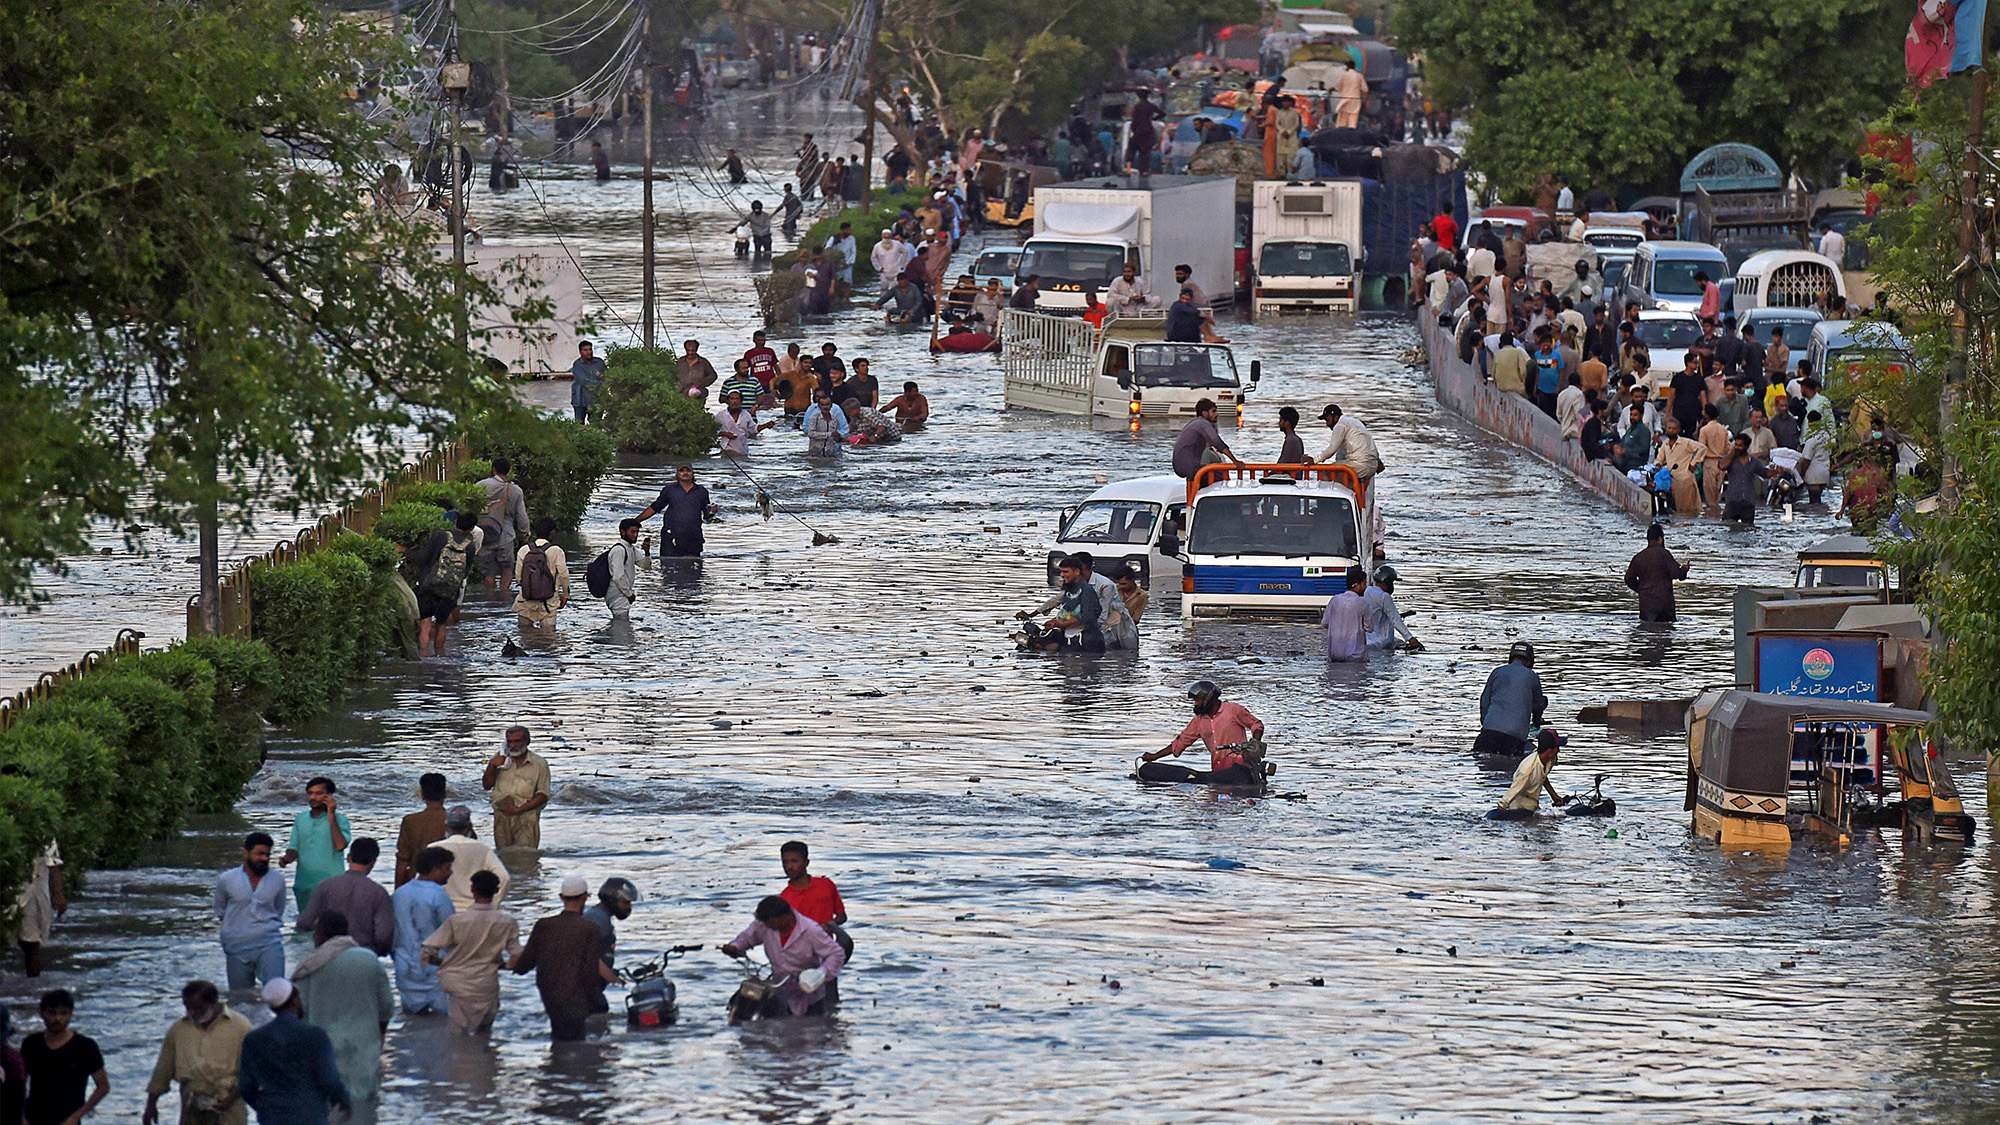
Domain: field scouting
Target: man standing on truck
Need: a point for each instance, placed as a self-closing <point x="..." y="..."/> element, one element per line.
<point x="1200" y="443"/>
<point x="1349" y="443"/>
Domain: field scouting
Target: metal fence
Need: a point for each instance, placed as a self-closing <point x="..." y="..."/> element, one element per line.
<point x="12" y="707"/>
<point x="358" y="517"/>
<point x="1050" y="351"/>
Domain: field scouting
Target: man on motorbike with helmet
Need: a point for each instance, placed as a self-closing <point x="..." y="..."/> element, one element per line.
<point x="1225" y="728"/>
<point x="614" y="902"/>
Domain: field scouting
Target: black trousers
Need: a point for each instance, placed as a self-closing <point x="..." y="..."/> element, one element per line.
<point x="1238" y="774"/>
<point x="1499" y="744"/>
<point x="1740" y="511"/>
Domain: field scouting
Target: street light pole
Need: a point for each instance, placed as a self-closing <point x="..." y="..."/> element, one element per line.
<point x="646" y="210"/>
<point x="454" y="77"/>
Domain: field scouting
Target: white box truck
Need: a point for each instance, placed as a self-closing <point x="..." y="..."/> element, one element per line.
<point x="1305" y="245"/>
<point x="1086" y="231"/>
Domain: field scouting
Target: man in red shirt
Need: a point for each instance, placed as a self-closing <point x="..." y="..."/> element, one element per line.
<point x="814" y="897"/>
<point x="1447" y="231"/>
<point x="762" y="360"/>
<point x="1224" y="727"/>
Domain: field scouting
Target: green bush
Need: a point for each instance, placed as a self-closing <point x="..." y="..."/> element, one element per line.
<point x="71" y="771"/>
<point x="31" y="813"/>
<point x="557" y="462"/>
<point x="464" y="495"/>
<point x="154" y="766"/>
<point x="408" y="525"/>
<point x="294" y="612"/>
<point x="473" y="470"/>
<point x="379" y="554"/>
<point x="246" y="681"/>
<point x="644" y="410"/>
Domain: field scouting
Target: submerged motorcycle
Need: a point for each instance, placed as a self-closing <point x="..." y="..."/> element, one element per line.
<point x="1597" y="804"/>
<point x="1257" y="771"/>
<point x="651" y="1000"/>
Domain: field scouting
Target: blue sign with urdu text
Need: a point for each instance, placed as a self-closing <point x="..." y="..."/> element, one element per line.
<point x="1825" y="665"/>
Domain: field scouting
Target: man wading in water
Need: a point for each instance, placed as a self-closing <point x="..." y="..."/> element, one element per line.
<point x="686" y="504"/>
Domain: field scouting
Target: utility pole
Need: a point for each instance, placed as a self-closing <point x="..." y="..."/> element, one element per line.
<point x="454" y="77"/>
<point x="867" y="104"/>
<point x="646" y="259"/>
<point x="1950" y="490"/>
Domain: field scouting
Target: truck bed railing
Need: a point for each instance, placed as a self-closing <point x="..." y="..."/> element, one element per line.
<point x="1730" y="209"/>
<point x="1051" y="351"/>
<point x="1333" y="473"/>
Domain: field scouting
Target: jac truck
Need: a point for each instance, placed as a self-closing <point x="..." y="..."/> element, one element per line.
<point x="1305" y="245"/>
<point x="1086" y="231"/>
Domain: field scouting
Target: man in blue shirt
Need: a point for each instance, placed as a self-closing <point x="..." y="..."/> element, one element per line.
<point x="825" y="427"/>
<point x="1344" y="617"/>
<point x="286" y="1072"/>
<point x="586" y="375"/>
<point x="1548" y="371"/>
<point x="422" y="905"/>
<point x="250" y="904"/>
<point x="685" y="504"/>
<point x="1512" y="702"/>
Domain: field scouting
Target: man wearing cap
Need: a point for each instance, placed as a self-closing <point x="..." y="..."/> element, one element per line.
<point x="889" y="258"/>
<point x="614" y="903"/>
<point x="1511" y="702"/>
<point x="286" y="1073"/>
<point x="797" y="948"/>
<point x="519" y="783"/>
<point x="422" y="905"/>
<point x="469" y="950"/>
<point x="469" y="854"/>
<point x="563" y="953"/>
<point x="1383" y="620"/>
<point x="1348" y="442"/>
<point x="1530" y="778"/>
<point x="1344" y="617"/>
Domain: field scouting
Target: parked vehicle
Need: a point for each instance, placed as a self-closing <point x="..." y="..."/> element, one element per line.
<point x="1785" y="279"/>
<point x="1836" y="347"/>
<point x="1126" y="370"/>
<point x="1796" y="324"/>
<point x="1532" y="225"/>
<point x="1662" y="275"/>
<point x="1135" y="523"/>
<point x="1085" y="233"/>
<point x="1845" y="560"/>
<point x="1272" y="538"/>
<point x="1305" y="239"/>
<point x="1667" y="336"/>
<point x="1009" y="187"/>
<point x="997" y="264"/>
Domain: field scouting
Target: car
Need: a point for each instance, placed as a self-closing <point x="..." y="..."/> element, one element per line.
<point x="997" y="265"/>
<point x="1667" y="335"/>
<point x="1135" y="523"/>
<point x="1796" y="324"/>
<point x="1662" y="275"/>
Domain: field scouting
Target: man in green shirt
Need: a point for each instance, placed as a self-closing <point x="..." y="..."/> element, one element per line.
<point x="319" y="840"/>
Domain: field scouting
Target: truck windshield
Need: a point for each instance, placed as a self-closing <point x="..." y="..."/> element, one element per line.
<point x="1112" y="521"/>
<point x="1305" y="259"/>
<point x="1676" y="278"/>
<point x="1289" y="525"/>
<point x="1073" y="263"/>
<point x="1182" y="365"/>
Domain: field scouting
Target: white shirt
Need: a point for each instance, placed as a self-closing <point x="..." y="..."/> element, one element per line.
<point x="1440" y="287"/>
<point x="470" y="856"/>
<point x="624" y="558"/>
<point x="1569" y="405"/>
<point x="888" y="258"/>
<point x="1496" y="300"/>
<point x="737" y="432"/>
<point x="1529" y="777"/>
<point x="1479" y="262"/>
<point x="1833" y="245"/>
<point x="1350" y="443"/>
<point x="1565" y="199"/>
<point x="1130" y="296"/>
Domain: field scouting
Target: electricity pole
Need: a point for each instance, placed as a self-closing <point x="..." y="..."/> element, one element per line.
<point x="455" y="77"/>
<point x="646" y="209"/>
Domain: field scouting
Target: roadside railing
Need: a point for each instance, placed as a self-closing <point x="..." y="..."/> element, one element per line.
<point x="13" y="706"/>
<point x="359" y="516"/>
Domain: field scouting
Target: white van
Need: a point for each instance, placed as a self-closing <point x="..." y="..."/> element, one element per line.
<point x="1133" y="523"/>
<point x="1786" y="279"/>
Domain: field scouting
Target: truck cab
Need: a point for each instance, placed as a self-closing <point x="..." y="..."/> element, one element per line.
<point x="1306" y="246"/>
<point x="1087" y="231"/>
<point x="1069" y="265"/>
<point x="1126" y="370"/>
<point x="1271" y="539"/>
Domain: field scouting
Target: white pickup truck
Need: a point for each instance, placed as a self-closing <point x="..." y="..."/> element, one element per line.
<point x="1126" y="370"/>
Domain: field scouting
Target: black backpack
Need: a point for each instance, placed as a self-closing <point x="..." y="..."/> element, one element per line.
<point x="597" y="575"/>
<point x="538" y="583"/>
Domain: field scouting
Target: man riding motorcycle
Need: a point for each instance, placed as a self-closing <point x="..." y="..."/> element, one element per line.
<point x="1226" y="728"/>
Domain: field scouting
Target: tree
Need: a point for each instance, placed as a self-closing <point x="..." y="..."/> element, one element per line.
<point x="1793" y="77"/>
<point x="205" y="285"/>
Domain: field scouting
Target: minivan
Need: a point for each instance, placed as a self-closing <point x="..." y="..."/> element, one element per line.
<point x="1662" y="275"/>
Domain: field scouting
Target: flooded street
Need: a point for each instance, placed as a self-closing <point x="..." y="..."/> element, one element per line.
<point x="1037" y="937"/>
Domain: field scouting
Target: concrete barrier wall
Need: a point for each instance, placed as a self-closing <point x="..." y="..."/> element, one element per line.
<point x="1516" y="421"/>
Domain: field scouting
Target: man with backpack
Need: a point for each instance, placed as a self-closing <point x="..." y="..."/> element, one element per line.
<point x="611" y="575"/>
<point x="544" y="578"/>
<point x="440" y="565"/>
<point x="506" y="514"/>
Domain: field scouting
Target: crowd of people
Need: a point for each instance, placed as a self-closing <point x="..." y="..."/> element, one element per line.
<point x="440" y="925"/>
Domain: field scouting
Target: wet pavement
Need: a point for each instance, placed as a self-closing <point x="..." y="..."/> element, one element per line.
<point x="1038" y="938"/>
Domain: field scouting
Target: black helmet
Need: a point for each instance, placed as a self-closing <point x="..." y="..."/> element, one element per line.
<point x="1523" y="652"/>
<point x="616" y="887"/>
<point x="1385" y="577"/>
<point x="1205" y="695"/>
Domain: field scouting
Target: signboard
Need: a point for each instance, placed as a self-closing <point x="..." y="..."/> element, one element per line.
<point x="1825" y="665"/>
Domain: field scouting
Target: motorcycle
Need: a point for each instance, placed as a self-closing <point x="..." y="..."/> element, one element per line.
<point x="651" y="1000"/>
<point x="1597" y="804"/>
<point x="1252" y="753"/>
<point x="760" y="984"/>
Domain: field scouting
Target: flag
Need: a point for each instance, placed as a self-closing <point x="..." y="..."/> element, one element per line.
<point x="1929" y="47"/>
<point x="1969" y="28"/>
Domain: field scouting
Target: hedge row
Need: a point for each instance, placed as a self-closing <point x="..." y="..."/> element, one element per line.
<point x="644" y="409"/>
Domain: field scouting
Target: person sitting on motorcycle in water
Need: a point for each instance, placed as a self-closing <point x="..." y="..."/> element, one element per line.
<point x="1224" y="727"/>
<point x="799" y="950"/>
<point x="1077" y="625"/>
<point x="1530" y="777"/>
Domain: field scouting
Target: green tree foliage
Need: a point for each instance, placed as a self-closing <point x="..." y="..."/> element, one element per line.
<point x="1634" y="90"/>
<point x="644" y="410"/>
<point x="407" y="523"/>
<point x="202" y="283"/>
<point x="556" y="461"/>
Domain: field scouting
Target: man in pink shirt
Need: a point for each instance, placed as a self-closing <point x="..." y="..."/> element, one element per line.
<point x="797" y="947"/>
<point x="1224" y="727"/>
<point x="1711" y="298"/>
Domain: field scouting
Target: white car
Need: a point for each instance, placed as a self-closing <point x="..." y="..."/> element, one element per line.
<point x="1667" y="336"/>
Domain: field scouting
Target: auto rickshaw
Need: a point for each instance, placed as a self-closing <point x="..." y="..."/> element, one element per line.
<point x="1009" y="188"/>
<point x="1760" y="765"/>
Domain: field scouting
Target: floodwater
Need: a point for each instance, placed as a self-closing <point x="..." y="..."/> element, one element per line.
<point x="1039" y="938"/>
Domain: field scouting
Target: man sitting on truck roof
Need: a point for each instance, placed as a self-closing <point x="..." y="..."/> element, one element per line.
<point x="1184" y="277"/>
<point x="1130" y="294"/>
<point x="1200" y="443"/>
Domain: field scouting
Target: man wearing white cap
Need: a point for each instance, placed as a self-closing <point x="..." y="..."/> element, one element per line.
<point x="889" y="257"/>
<point x="563" y="950"/>
<point x="287" y="1072"/>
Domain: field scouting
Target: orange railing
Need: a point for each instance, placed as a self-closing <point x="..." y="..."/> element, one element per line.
<point x="1334" y="472"/>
